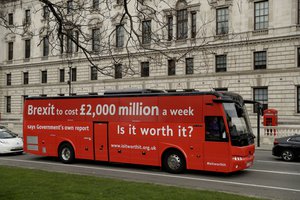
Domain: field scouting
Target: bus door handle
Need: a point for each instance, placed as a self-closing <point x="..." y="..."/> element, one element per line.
<point x="101" y="147"/>
<point x="87" y="138"/>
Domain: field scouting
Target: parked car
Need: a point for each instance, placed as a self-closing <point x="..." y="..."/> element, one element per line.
<point x="10" y="142"/>
<point x="288" y="148"/>
<point x="3" y="128"/>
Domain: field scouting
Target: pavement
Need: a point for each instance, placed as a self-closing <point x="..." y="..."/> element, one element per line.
<point x="266" y="147"/>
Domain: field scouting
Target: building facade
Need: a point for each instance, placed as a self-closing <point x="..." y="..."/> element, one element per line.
<point x="251" y="47"/>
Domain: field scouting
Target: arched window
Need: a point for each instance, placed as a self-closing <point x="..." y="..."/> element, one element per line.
<point x="182" y="19"/>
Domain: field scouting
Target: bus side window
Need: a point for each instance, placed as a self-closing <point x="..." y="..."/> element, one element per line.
<point x="215" y="129"/>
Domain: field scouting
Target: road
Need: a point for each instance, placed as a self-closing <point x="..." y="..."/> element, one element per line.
<point x="269" y="177"/>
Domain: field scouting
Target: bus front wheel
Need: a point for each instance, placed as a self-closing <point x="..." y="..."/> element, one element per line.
<point x="174" y="162"/>
<point x="66" y="153"/>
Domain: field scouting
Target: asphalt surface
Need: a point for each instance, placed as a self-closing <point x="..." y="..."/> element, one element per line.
<point x="269" y="177"/>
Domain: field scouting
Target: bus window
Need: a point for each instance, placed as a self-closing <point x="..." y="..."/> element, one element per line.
<point x="215" y="129"/>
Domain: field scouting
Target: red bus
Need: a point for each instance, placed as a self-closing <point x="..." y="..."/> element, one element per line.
<point x="174" y="130"/>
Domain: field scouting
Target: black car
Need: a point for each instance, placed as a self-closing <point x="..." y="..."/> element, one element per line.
<point x="288" y="148"/>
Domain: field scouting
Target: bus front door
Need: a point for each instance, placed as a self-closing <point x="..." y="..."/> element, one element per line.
<point x="216" y="145"/>
<point x="100" y="141"/>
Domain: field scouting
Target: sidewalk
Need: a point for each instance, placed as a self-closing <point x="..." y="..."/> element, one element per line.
<point x="265" y="147"/>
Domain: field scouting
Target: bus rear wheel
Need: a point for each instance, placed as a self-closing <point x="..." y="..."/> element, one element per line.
<point x="174" y="162"/>
<point x="66" y="153"/>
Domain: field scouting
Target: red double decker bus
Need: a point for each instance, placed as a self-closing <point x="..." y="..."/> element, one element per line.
<point x="175" y="130"/>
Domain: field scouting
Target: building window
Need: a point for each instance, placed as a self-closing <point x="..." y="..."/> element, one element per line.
<point x="120" y="36"/>
<point x="8" y="79"/>
<point x="193" y="24"/>
<point x="222" y="21"/>
<point x="46" y="46"/>
<point x="298" y="99"/>
<point x="146" y="32"/>
<point x="10" y="19"/>
<point x="260" y="60"/>
<point x="44" y="76"/>
<point x="170" y="27"/>
<point x="145" y="69"/>
<point x="96" y="40"/>
<point x="95" y="4"/>
<point x="74" y="74"/>
<point x="298" y="12"/>
<point x="62" y="75"/>
<point x="189" y="65"/>
<point x="76" y="37"/>
<point x="221" y="63"/>
<point x="118" y="71"/>
<point x="260" y="95"/>
<point x="27" y="48"/>
<point x="182" y="24"/>
<point x="46" y="12"/>
<point x="69" y="42"/>
<point x="10" y="50"/>
<point x="61" y="41"/>
<point x="171" y="67"/>
<point x="69" y="6"/>
<point x="23" y="102"/>
<point x="8" y="104"/>
<point x="261" y="15"/>
<point x="221" y="89"/>
<point x="94" y="73"/>
<point x="25" y="78"/>
<point x="298" y="57"/>
<point x="27" y="17"/>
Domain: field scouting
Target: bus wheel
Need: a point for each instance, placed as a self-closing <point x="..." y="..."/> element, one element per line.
<point x="66" y="153"/>
<point x="174" y="162"/>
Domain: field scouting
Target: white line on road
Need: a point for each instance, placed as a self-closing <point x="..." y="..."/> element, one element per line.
<point x="158" y="174"/>
<point x="274" y="172"/>
<point x="277" y="162"/>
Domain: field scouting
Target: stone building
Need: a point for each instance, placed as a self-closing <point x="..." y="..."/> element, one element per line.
<point x="251" y="47"/>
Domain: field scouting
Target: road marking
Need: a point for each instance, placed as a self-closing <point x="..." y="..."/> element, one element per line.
<point x="274" y="172"/>
<point x="277" y="162"/>
<point x="158" y="174"/>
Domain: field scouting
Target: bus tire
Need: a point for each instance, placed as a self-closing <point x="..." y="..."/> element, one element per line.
<point x="66" y="153"/>
<point x="174" y="162"/>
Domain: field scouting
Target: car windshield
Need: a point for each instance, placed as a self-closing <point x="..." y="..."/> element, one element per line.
<point x="7" y="134"/>
<point x="238" y="123"/>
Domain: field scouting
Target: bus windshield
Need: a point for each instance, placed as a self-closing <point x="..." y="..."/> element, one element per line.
<point x="238" y="123"/>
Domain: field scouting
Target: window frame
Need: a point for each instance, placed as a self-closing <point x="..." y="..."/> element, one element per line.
<point x="222" y="21"/>
<point x="170" y="27"/>
<point x="94" y="73"/>
<point x="25" y="78"/>
<point x="193" y="24"/>
<point x="298" y="99"/>
<point x="10" y="19"/>
<point x="27" y="48"/>
<point x="264" y="102"/>
<point x="182" y="24"/>
<point x="220" y="62"/>
<point x="119" y="35"/>
<point x="46" y="46"/>
<point x="96" y="40"/>
<point x="10" y="55"/>
<point x="265" y="23"/>
<point x="62" y="73"/>
<point x="189" y="66"/>
<point x="73" y="74"/>
<point x="44" y="76"/>
<point x="145" y="69"/>
<point x="118" y="71"/>
<point x="8" y="104"/>
<point x="171" y="67"/>
<point x="258" y="61"/>
<point x="8" y="79"/>
<point x="27" y="16"/>
<point x="146" y="32"/>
